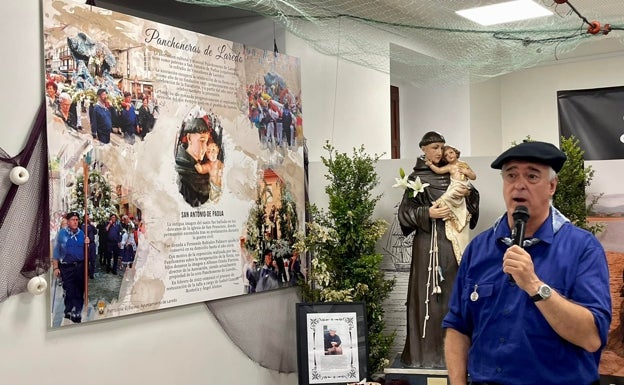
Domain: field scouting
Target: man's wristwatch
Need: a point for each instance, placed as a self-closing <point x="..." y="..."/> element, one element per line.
<point x="543" y="292"/>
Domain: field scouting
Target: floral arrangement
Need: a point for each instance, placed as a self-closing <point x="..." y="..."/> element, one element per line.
<point x="255" y="240"/>
<point x="415" y="185"/>
<point x="101" y="202"/>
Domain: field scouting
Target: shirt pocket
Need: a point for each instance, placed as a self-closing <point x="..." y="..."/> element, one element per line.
<point x="479" y="299"/>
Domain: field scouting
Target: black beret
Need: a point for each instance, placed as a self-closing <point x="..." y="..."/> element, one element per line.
<point x="72" y="214"/>
<point x="537" y="152"/>
<point x="431" y="137"/>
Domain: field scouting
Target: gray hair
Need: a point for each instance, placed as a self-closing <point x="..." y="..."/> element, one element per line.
<point x="64" y="96"/>
<point x="552" y="174"/>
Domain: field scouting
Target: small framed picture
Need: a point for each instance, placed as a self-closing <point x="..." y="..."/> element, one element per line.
<point x="331" y="342"/>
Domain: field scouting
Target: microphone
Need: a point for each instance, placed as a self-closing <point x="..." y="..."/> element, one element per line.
<point x="520" y="217"/>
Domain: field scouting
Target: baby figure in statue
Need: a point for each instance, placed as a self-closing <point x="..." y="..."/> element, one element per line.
<point x="214" y="167"/>
<point x="456" y="228"/>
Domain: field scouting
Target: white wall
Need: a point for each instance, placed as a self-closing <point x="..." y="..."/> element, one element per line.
<point x="485" y="118"/>
<point x="23" y="74"/>
<point x="342" y="102"/>
<point x="444" y="109"/>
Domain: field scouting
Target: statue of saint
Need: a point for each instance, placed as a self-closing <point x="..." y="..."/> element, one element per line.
<point x="434" y="263"/>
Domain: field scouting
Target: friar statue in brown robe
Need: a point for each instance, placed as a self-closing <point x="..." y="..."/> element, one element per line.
<point x="434" y="266"/>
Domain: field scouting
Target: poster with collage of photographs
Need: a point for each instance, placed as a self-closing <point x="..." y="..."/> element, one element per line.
<point x="176" y="165"/>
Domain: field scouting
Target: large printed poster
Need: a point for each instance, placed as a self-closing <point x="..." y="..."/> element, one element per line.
<point x="176" y="165"/>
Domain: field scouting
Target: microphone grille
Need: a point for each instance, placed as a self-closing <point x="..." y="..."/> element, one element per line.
<point x="521" y="213"/>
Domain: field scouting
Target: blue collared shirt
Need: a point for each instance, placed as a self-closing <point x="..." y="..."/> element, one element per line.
<point x="69" y="247"/>
<point x="511" y="342"/>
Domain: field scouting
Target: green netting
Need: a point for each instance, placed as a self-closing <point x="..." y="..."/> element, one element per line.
<point x="424" y="42"/>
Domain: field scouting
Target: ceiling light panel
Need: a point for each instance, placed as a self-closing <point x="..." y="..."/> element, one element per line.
<point x="505" y="12"/>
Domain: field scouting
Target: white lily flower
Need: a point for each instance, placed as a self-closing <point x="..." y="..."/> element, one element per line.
<point x="401" y="182"/>
<point x="417" y="186"/>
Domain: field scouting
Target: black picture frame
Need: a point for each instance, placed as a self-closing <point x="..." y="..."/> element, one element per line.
<point x="317" y="365"/>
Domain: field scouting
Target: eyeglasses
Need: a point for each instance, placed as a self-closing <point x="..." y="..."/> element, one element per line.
<point x="514" y="176"/>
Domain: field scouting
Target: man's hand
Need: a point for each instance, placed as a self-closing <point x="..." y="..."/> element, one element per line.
<point x="518" y="263"/>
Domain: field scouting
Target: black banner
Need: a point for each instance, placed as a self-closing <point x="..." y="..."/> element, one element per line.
<point x="596" y="118"/>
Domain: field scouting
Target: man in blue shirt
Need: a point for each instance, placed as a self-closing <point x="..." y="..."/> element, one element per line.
<point x="537" y="314"/>
<point x="128" y="118"/>
<point x="101" y="119"/>
<point x="68" y="263"/>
